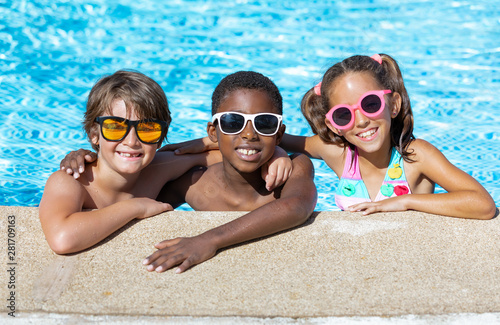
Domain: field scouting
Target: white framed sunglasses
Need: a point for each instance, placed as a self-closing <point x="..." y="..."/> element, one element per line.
<point x="230" y="123"/>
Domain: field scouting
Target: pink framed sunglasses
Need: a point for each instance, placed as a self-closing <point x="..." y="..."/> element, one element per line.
<point x="371" y="104"/>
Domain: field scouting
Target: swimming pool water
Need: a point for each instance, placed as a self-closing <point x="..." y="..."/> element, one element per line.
<point x="52" y="52"/>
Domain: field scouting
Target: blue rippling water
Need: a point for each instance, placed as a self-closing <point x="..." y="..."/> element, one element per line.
<point x="52" y="52"/>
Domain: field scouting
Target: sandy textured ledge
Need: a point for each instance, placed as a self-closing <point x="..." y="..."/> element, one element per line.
<point x="337" y="264"/>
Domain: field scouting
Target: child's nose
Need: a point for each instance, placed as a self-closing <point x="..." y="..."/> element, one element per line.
<point x="361" y="120"/>
<point x="131" y="139"/>
<point x="248" y="132"/>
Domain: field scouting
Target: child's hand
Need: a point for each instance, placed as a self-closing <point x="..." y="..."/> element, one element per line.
<point x="184" y="251"/>
<point x="277" y="170"/>
<point x="388" y="205"/>
<point x="151" y="207"/>
<point x="74" y="162"/>
<point x="192" y="146"/>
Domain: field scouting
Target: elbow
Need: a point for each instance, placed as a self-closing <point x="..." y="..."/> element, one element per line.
<point x="486" y="209"/>
<point x="62" y="243"/>
<point x="302" y="216"/>
<point x="489" y="213"/>
<point x="304" y="209"/>
<point x="309" y="203"/>
<point x="307" y="210"/>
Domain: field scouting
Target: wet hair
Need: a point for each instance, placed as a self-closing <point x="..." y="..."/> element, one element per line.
<point x="387" y="74"/>
<point x="246" y="80"/>
<point x="139" y="92"/>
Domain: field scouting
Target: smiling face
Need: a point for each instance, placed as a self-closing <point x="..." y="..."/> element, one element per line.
<point x="248" y="150"/>
<point x="128" y="156"/>
<point x="367" y="134"/>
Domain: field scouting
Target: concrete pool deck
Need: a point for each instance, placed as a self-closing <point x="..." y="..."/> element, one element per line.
<point x="336" y="265"/>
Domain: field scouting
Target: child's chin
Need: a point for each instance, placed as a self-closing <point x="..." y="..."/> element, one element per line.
<point x="253" y="167"/>
<point x="130" y="170"/>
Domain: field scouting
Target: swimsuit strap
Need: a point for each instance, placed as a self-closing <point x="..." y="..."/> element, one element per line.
<point x="395" y="170"/>
<point x="351" y="165"/>
<point x="351" y="189"/>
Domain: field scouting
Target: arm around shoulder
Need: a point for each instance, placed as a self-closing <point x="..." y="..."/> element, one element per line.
<point x="167" y="166"/>
<point x="310" y="146"/>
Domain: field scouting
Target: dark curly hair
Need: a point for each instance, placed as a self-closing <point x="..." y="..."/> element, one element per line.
<point x="246" y="80"/>
<point x="387" y="74"/>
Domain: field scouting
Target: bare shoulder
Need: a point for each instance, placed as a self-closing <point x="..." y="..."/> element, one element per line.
<point x="430" y="167"/>
<point x="421" y="146"/>
<point x="302" y="177"/>
<point x="205" y="191"/>
<point x="302" y="165"/>
<point x="196" y="176"/>
<point x="63" y="182"/>
<point x="424" y="152"/>
<point x="201" y="178"/>
<point x="60" y="190"/>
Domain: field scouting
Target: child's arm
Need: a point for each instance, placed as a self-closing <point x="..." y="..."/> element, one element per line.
<point x="191" y="146"/>
<point x="314" y="147"/>
<point x="166" y="162"/>
<point x="297" y="202"/>
<point x="465" y="197"/>
<point x="68" y="229"/>
<point x="275" y="172"/>
<point x="311" y="146"/>
<point x="74" y="162"/>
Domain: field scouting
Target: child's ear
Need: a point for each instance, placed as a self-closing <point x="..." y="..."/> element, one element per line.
<point x="332" y="128"/>
<point x="94" y="136"/>
<point x="212" y="132"/>
<point x="279" y="135"/>
<point x="395" y="104"/>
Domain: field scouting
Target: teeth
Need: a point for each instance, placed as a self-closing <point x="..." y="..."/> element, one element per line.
<point x="367" y="134"/>
<point x="128" y="155"/>
<point x="247" y="152"/>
